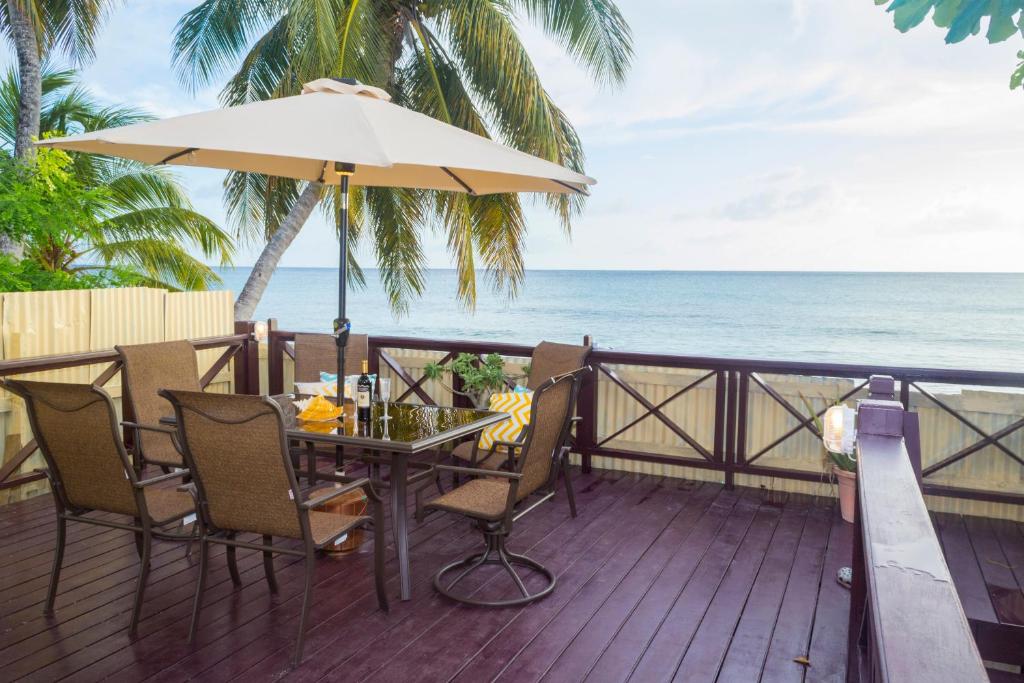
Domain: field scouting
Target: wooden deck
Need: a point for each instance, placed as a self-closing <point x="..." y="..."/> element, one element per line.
<point x="658" y="578"/>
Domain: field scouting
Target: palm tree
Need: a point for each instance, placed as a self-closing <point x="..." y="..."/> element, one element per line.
<point x="144" y="221"/>
<point x="461" y="61"/>
<point x="37" y="28"/>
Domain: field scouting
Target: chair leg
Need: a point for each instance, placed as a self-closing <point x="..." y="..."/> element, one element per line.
<point x="139" y="542"/>
<point x="379" y="547"/>
<point x="233" y="563"/>
<point x="268" y="565"/>
<point x="58" y="560"/>
<point x="306" y="599"/>
<point x="140" y="589"/>
<point x="568" y="485"/>
<point x="197" y="603"/>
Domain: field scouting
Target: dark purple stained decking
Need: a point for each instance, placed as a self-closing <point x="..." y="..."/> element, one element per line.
<point x="658" y="579"/>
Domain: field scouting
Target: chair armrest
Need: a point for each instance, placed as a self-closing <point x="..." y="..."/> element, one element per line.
<point x="163" y="477"/>
<point x="320" y="500"/>
<point x="509" y="446"/>
<point x="576" y="420"/>
<point x="480" y="472"/>
<point x="163" y="429"/>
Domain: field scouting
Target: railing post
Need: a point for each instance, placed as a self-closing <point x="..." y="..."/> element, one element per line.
<point x="586" y="407"/>
<point x="731" y="405"/>
<point x="247" y="360"/>
<point x="275" y="361"/>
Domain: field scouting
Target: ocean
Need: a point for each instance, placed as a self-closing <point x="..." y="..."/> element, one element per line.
<point x="947" y="320"/>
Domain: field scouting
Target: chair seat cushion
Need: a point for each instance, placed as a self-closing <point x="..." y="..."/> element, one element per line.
<point x="478" y="498"/>
<point x="167" y="505"/>
<point x="327" y="526"/>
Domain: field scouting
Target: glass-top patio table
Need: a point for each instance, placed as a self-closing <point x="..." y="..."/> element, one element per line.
<point x="411" y="429"/>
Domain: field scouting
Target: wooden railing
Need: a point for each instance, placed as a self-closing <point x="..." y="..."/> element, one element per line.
<point x="906" y="620"/>
<point x="728" y="446"/>
<point x="240" y="346"/>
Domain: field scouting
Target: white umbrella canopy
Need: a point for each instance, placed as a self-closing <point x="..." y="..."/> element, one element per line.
<point x="332" y="121"/>
<point x="337" y="132"/>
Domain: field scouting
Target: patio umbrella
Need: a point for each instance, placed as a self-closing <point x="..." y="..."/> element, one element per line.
<point x="337" y="132"/>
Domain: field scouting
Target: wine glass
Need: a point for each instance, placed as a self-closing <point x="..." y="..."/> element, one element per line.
<point x="384" y="389"/>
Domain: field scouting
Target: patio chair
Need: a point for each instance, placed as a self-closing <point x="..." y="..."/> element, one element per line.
<point x="90" y="471"/>
<point x="244" y="482"/>
<point x="491" y="497"/>
<point x="549" y="360"/>
<point x="316" y="353"/>
<point x="148" y="368"/>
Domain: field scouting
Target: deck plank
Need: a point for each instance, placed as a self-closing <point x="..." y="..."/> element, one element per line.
<point x="963" y="565"/>
<point x="662" y="655"/>
<point x="792" y="636"/>
<point x="832" y="618"/>
<point x="584" y="546"/>
<point x="657" y="577"/>
<point x="707" y="648"/>
<point x="582" y="651"/>
<point x="636" y="632"/>
<point x="748" y="647"/>
<point x="359" y="645"/>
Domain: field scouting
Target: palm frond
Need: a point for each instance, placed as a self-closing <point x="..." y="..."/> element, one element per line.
<point x="162" y="260"/>
<point x="502" y="77"/>
<point x="395" y="216"/>
<point x="74" y="24"/>
<point x="179" y="226"/>
<point x="593" y="32"/>
<point x="211" y="36"/>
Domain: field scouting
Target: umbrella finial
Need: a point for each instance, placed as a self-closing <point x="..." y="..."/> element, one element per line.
<point x="344" y="86"/>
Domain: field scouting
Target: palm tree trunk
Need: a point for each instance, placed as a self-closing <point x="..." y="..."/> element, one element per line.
<point x="259" y="278"/>
<point x="23" y="35"/>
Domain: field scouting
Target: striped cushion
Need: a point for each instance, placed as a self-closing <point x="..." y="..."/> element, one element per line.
<point x="517" y="405"/>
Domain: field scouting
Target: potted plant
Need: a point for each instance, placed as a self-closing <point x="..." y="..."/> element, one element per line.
<point x="841" y="466"/>
<point x="480" y="377"/>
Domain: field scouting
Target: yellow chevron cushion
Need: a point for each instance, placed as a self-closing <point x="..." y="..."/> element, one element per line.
<point x="517" y="405"/>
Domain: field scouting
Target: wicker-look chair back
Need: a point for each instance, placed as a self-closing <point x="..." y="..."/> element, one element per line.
<point x="316" y="353"/>
<point x="236" y="450"/>
<point x="551" y="359"/>
<point x="549" y="423"/>
<point x="76" y="428"/>
<point x="148" y="368"/>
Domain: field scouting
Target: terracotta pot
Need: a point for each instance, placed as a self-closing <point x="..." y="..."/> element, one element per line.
<point x="847" y="492"/>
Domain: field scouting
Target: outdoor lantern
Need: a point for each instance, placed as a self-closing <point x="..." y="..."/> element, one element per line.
<point x="840" y="432"/>
<point x="259" y="331"/>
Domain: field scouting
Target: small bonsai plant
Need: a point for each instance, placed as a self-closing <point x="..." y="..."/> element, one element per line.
<point x="480" y="377"/>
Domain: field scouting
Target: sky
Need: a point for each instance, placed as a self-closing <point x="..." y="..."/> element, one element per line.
<point x="765" y="135"/>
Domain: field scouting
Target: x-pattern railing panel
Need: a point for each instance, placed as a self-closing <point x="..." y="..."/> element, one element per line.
<point x="414" y="385"/>
<point x="655" y="410"/>
<point x="987" y="439"/>
<point x="804" y="421"/>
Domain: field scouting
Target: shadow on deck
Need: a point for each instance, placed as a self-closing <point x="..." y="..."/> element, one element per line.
<point x="656" y="577"/>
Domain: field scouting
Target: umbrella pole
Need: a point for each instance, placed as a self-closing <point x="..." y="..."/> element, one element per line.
<point x="342" y="326"/>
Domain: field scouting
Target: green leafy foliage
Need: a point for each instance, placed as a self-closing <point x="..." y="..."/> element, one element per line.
<point x="460" y="61"/>
<point x="98" y="219"/>
<point x="480" y="376"/>
<point x="27" y="275"/>
<point x="963" y="18"/>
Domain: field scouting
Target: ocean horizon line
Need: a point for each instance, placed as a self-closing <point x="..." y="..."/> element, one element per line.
<point x="674" y="271"/>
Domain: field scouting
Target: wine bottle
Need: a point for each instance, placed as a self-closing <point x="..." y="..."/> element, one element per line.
<point x="363" y="390"/>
